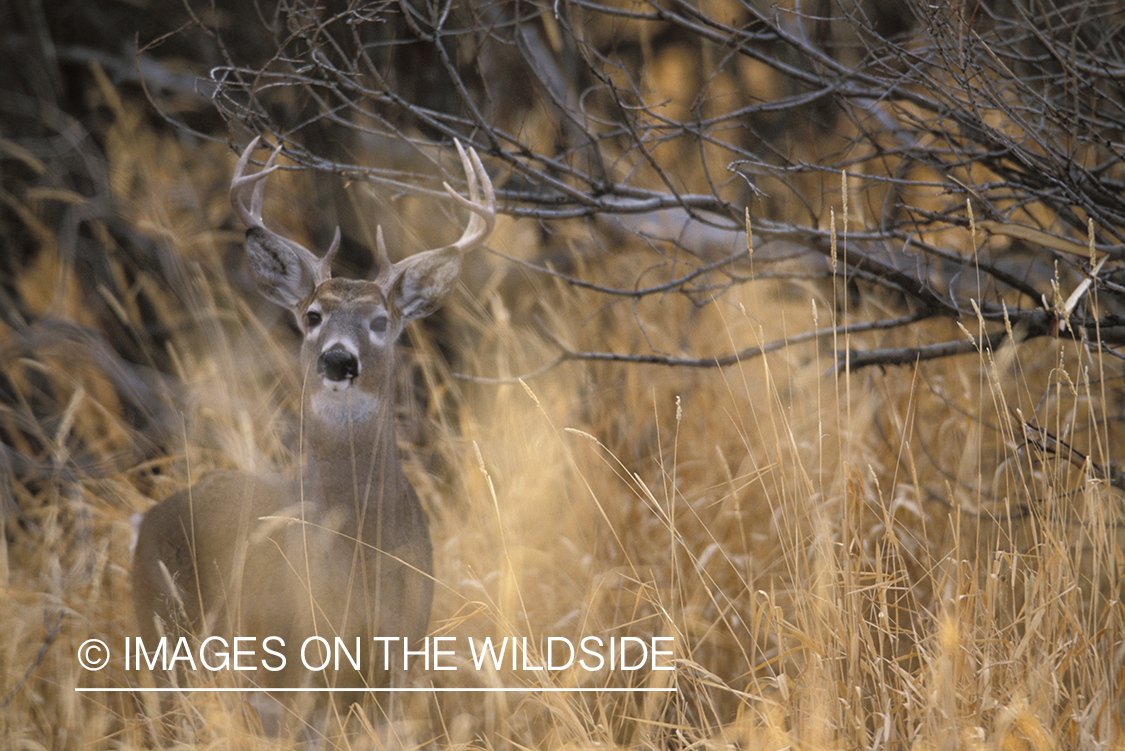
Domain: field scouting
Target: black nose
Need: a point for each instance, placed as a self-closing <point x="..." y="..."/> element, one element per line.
<point x="337" y="364"/>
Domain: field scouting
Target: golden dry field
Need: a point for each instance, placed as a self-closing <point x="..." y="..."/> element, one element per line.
<point x="885" y="558"/>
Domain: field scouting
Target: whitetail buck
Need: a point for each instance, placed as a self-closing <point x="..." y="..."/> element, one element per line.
<point x="344" y="549"/>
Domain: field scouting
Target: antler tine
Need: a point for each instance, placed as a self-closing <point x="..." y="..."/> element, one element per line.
<point x="259" y="180"/>
<point x="483" y="218"/>
<point x="252" y="217"/>
<point x="326" y="262"/>
<point x="241" y="181"/>
<point x="386" y="269"/>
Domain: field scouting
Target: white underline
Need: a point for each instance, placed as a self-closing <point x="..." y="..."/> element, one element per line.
<point x="410" y="689"/>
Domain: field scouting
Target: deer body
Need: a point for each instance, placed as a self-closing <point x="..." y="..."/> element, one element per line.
<point x="344" y="549"/>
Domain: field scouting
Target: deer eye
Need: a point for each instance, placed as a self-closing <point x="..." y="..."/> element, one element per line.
<point x="313" y="319"/>
<point x="379" y="324"/>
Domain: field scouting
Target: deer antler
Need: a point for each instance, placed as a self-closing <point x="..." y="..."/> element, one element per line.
<point x="483" y="218"/>
<point x="252" y="217"/>
<point x="482" y="205"/>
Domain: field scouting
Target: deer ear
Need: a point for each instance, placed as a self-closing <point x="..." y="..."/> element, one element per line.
<point x="423" y="281"/>
<point x="279" y="270"/>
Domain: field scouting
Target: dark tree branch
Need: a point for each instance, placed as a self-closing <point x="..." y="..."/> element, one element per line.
<point x="1013" y="113"/>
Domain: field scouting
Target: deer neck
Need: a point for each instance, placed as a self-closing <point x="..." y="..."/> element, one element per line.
<point x="352" y="464"/>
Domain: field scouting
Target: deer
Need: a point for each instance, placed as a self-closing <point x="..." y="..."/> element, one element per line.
<point x="343" y="550"/>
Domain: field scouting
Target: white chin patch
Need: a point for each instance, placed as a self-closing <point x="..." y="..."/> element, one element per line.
<point x="339" y="404"/>
<point x="337" y="386"/>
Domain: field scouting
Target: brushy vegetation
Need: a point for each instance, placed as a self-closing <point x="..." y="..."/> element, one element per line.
<point x="826" y="585"/>
<point x="816" y="541"/>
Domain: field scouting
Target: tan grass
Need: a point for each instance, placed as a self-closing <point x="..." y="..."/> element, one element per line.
<point x="872" y="560"/>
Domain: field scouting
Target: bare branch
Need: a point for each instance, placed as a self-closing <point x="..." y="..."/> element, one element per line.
<point x="1008" y="113"/>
